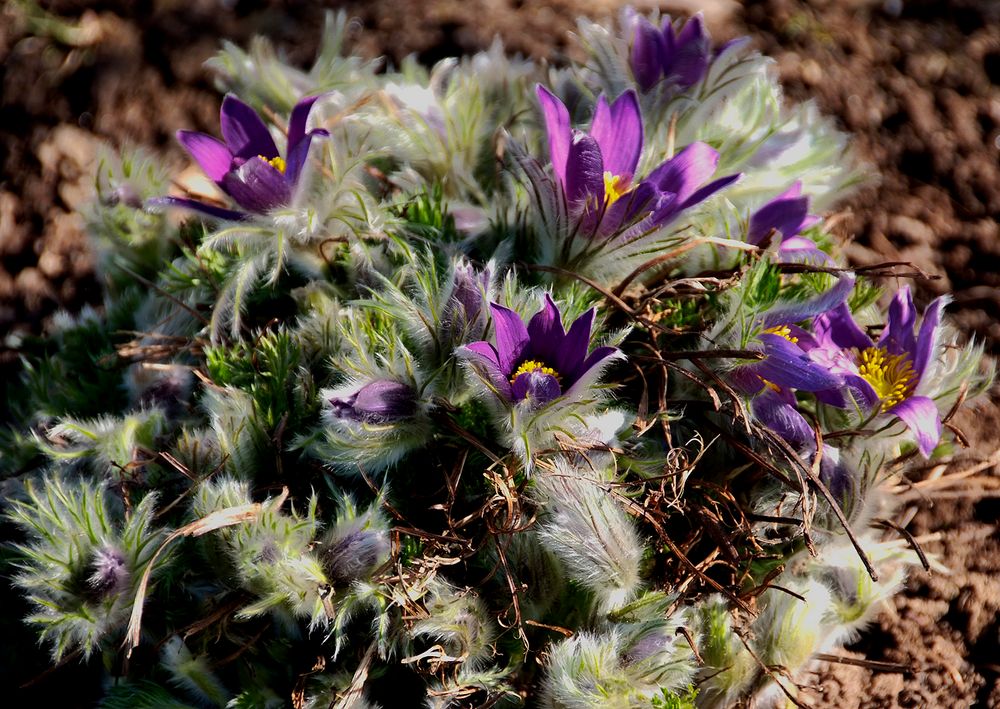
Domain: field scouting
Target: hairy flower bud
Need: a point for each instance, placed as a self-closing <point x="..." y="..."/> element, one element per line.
<point x="465" y="318"/>
<point x="355" y="554"/>
<point x="378" y="402"/>
<point x="110" y="572"/>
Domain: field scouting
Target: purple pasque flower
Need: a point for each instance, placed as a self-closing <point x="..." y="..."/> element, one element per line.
<point x="248" y="166"/>
<point x="884" y="376"/>
<point x="379" y="402"/>
<point x="787" y="214"/>
<point x="661" y="53"/>
<point x="787" y="365"/>
<point x="597" y="169"/>
<point x="771" y="382"/>
<point x="540" y="362"/>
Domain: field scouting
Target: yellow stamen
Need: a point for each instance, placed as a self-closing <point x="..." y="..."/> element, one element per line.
<point x="891" y="376"/>
<point x="277" y="163"/>
<point x="782" y="331"/>
<point x="615" y="187"/>
<point x="532" y="365"/>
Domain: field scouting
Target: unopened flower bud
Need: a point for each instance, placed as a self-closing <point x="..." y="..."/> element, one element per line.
<point x="355" y="555"/>
<point x="465" y="318"/>
<point x="110" y="572"/>
<point x="379" y="402"/>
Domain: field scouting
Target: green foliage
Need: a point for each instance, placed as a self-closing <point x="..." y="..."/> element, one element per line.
<point x="271" y="371"/>
<point x="672" y="700"/>
<point x="144" y="694"/>
<point x="77" y="372"/>
<point x="426" y="216"/>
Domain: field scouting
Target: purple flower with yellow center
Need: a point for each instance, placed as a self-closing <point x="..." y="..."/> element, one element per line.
<point x="597" y="169"/>
<point x="771" y="381"/>
<point x="248" y="166"/>
<point x="787" y="365"/>
<point x="661" y="53"/>
<point x="883" y="377"/>
<point x="539" y="362"/>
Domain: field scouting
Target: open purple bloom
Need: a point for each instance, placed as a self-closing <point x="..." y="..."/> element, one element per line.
<point x="596" y="169"/>
<point x="661" y="53"/>
<point x="788" y="214"/>
<point x="247" y="166"/>
<point x="538" y="362"/>
<point x="884" y="376"/>
<point x="379" y="402"/>
<point x="788" y="366"/>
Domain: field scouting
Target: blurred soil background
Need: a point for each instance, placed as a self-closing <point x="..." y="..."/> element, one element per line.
<point x="916" y="81"/>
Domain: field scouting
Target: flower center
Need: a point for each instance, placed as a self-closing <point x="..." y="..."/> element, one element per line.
<point x="782" y="331"/>
<point x="278" y="163"/>
<point x="891" y="376"/>
<point x="533" y="365"/>
<point x="615" y="187"/>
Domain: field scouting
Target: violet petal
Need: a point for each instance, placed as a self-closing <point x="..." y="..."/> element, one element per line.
<point x="788" y="366"/>
<point x="245" y="133"/>
<point x="897" y="338"/>
<point x="297" y="121"/>
<point x="297" y="156"/>
<point x="836" y="329"/>
<point x="618" y="131"/>
<point x="584" y="171"/>
<point x="257" y="186"/>
<point x="921" y="416"/>
<point x="536" y="387"/>
<point x="778" y="412"/>
<point x="194" y="205"/>
<point x="211" y="154"/>
<point x="786" y="213"/>
<point x="683" y="173"/>
<point x="485" y="358"/>
<point x="703" y="193"/>
<point x="573" y="352"/>
<point x="823" y="303"/>
<point x="927" y="336"/>
<point x="511" y="336"/>
<point x="546" y="335"/>
<point x="557" y="125"/>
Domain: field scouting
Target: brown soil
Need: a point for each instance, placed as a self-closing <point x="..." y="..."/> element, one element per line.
<point x="918" y="83"/>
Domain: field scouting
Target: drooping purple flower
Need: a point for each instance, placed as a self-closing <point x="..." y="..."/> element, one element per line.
<point x="597" y="169"/>
<point x="787" y="365"/>
<point x="539" y="362"/>
<point x="883" y="376"/>
<point x="681" y="58"/>
<point x="379" y="402"/>
<point x="248" y="166"/>
<point x="771" y="381"/>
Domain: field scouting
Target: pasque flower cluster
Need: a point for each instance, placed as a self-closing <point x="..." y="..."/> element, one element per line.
<point x="469" y="371"/>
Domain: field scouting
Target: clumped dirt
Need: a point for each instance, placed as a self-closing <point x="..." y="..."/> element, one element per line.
<point x="916" y="81"/>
